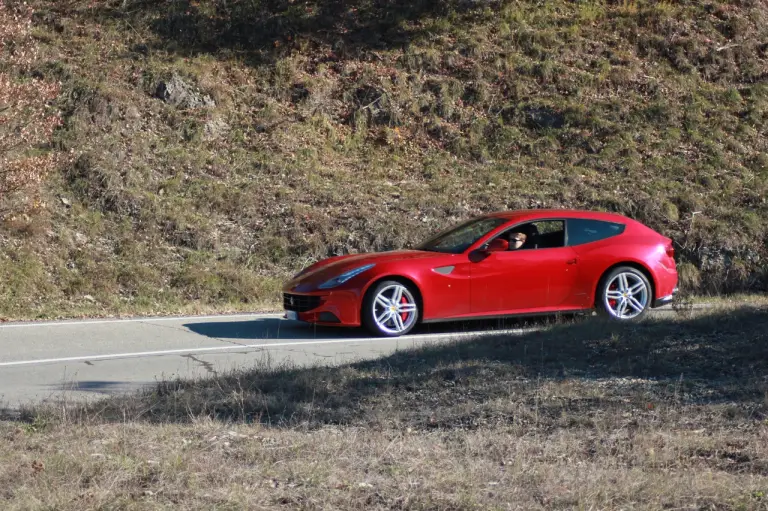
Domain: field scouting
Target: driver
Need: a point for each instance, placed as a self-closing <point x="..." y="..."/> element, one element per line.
<point x="520" y="235"/>
<point x="517" y="240"/>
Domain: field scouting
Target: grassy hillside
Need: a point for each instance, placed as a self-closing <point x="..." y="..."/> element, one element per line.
<point x="670" y="414"/>
<point x="216" y="146"/>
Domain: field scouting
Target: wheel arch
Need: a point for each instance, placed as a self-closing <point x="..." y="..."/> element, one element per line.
<point x="397" y="278"/>
<point x="632" y="264"/>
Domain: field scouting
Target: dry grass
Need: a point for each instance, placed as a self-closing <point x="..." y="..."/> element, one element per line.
<point x="359" y="126"/>
<point x="669" y="414"/>
<point x="208" y="465"/>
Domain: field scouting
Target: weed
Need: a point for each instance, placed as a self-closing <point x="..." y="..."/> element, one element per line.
<point x="667" y="413"/>
<point x="329" y="122"/>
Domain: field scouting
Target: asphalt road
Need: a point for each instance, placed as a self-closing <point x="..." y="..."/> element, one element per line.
<point x="87" y="359"/>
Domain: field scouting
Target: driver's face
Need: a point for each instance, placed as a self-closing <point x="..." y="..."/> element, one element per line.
<point x="516" y="240"/>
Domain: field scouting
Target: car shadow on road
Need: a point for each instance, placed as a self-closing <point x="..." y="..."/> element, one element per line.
<point x="104" y="387"/>
<point x="269" y="328"/>
<point x="277" y="328"/>
<point x="575" y="369"/>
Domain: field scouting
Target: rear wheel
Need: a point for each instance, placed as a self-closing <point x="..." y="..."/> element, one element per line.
<point x="390" y="309"/>
<point x="624" y="294"/>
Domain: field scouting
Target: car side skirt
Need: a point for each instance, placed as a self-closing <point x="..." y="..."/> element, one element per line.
<point x="504" y="315"/>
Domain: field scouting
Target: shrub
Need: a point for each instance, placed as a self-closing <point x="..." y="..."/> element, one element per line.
<point x="27" y="120"/>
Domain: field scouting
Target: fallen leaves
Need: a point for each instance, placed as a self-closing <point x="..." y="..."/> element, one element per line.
<point x="27" y="119"/>
<point x="38" y="466"/>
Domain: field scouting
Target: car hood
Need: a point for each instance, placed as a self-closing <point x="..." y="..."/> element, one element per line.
<point x="314" y="277"/>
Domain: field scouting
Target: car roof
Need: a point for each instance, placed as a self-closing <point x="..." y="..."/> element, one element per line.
<point x="531" y="214"/>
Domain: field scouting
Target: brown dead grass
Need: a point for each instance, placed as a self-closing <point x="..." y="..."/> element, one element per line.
<point x="668" y="414"/>
<point x="356" y="126"/>
<point x="210" y="465"/>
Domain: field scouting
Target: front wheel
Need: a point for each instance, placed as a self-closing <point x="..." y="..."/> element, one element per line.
<point x="624" y="294"/>
<point x="390" y="309"/>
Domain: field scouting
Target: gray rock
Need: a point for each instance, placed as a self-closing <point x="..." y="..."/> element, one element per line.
<point x="215" y="128"/>
<point x="176" y="91"/>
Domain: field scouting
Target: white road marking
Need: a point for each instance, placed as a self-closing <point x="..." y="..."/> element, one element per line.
<point x="517" y="331"/>
<point x="139" y="320"/>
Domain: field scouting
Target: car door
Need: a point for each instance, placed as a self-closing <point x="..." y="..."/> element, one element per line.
<point x="538" y="278"/>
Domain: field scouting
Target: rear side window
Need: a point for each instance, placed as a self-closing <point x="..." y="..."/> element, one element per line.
<point x="586" y="231"/>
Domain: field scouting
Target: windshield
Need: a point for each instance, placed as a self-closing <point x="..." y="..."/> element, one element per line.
<point x="459" y="238"/>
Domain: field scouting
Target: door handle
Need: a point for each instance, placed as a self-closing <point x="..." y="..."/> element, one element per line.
<point x="572" y="261"/>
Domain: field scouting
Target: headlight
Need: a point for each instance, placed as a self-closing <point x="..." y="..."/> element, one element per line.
<point x="337" y="281"/>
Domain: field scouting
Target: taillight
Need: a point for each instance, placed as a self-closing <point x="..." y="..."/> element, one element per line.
<point x="670" y="249"/>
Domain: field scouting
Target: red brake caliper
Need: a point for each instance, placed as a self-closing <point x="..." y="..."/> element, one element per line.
<point x="403" y="315"/>
<point x="612" y="301"/>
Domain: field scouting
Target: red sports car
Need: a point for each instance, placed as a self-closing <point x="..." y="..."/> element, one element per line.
<point x="502" y="264"/>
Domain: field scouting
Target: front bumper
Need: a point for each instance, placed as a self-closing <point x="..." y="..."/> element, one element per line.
<point x="335" y="308"/>
<point x="664" y="300"/>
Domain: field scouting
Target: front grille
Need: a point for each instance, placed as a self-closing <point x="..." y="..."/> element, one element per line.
<point x="300" y="303"/>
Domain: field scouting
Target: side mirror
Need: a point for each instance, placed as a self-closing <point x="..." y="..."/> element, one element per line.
<point x="498" y="245"/>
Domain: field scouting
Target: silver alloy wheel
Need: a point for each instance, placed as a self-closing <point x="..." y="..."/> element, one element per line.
<point x="626" y="296"/>
<point x="395" y="309"/>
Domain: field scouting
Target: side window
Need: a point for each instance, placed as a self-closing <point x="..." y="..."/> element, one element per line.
<point x="582" y="231"/>
<point x="537" y="235"/>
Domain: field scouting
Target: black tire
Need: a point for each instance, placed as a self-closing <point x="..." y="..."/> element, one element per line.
<point x="602" y="302"/>
<point x="367" y="312"/>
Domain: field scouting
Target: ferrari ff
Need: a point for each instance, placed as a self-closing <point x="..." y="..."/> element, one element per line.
<point x="527" y="262"/>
